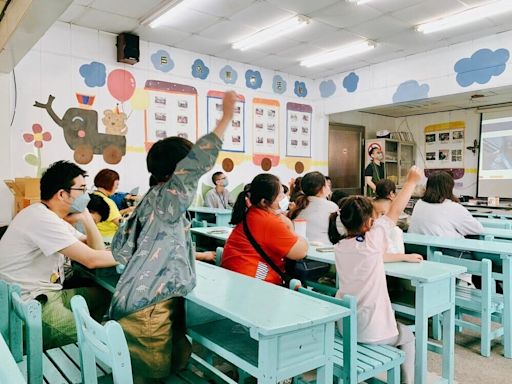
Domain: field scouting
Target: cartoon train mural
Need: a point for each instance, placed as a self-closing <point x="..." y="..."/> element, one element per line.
<point x="80" y="128"/>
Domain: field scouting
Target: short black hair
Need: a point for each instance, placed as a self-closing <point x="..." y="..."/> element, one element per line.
<point x="164" y="156"/>
<point x="99" y="205"/>
<point x="285" y="189"/>
<point x="337" y="195"/>
<point x="372" y="148"/>
<point x="59" y="175"/>
<point x="383" y="188"/>
<point x="216" y="175"/>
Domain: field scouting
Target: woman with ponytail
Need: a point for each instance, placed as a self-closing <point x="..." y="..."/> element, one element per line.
<point x="312" y="205"/>
<point x="257" y="208"/>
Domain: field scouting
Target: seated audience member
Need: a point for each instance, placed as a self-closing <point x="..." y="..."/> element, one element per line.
<point x="156" y="249"/>
<point x="328" y="181"/>
<point x="439" y="213"/>
<point x="218" y="197"/>
<point x="312" y="205"/>
<point x="295" y="188"/>
<point x="385" y="192"/>
<point x="40" y="237"/>
<point x="106" y="183"/>
<point x="258" y="207"/>
<point x="337" y="195"/>
<point x="98" y="208"/>
<point x="284" y="204"/>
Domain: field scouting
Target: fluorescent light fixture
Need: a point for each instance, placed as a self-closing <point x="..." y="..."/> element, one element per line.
<point x="271" y="33"/>
<point x="467" y="16"/>
<point x="337" y="54"/>
<point x="162" y="15"/>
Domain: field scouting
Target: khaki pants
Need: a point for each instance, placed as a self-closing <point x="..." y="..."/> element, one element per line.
<point x="58" y="321"/>
<point x="156" y="339"/>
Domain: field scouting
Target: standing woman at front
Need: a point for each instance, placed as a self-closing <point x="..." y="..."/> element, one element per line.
<point x="375" y="170"/>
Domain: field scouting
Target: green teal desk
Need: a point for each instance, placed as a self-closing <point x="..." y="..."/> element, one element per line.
<point x="9" y="371"/>
<point x="500" y="253"/>
<point x="222" y="216"/>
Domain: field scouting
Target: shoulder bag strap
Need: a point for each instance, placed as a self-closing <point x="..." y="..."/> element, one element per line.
<point x="262" y="253"/>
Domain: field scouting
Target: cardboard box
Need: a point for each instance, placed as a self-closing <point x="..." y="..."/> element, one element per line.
<point x="25" y="190"/>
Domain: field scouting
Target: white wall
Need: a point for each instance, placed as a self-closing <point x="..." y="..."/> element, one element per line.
<point x="6" y="199"/>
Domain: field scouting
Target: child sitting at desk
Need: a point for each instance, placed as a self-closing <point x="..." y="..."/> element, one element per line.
<point x="156" y="248"/>
<point x="360" y="266"/>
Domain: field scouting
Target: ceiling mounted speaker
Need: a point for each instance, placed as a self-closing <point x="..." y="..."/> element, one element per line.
<point x="127" y="48"/>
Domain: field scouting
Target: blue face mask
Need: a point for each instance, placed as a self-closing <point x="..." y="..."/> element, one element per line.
<point x="226" y="182"/>
<point x="80" y="203"/>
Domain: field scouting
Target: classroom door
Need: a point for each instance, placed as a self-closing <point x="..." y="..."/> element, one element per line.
<point x="345" y="157"/>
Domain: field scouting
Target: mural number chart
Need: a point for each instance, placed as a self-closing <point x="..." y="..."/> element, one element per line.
<point x="444" y="148"/>
<point x="265" y="130"/>
<point x="234" y="138"/>
<point x="298" y="129"/>
<point x="172" y="111"/>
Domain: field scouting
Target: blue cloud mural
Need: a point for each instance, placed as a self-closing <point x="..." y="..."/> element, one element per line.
<point x="228" y="74"/>
<point x="278" y="84"/>
<point x="350" y="82"/>
<point x="200" y="70"/>
<point x="410" y="90"/>
<point x="94" y="74"/>
<point x="162" y="61"/>
<point x="481" y="66"/>
<point x="327" y="88"/>
<point x="300" y="89"/>
<point x="253" y="79"/>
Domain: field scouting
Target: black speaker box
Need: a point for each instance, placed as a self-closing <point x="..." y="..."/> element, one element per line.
<point x="127" y="48"/>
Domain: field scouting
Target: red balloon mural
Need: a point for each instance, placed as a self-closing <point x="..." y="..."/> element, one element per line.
<point x="121" y="84"/>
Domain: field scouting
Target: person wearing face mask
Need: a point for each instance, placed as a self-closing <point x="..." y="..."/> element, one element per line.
<point x="40" y="238"/>
<point x="218" y="197"/>
<point x="375" y="170"/>
<point x="256" y="215"/>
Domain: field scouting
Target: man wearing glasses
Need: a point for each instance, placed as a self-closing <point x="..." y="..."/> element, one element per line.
<point x="218" y="197"/>
<point x="37" y="242"/>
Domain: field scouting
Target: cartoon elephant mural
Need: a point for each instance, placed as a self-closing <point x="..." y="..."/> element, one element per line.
<point x="81" y="133"/>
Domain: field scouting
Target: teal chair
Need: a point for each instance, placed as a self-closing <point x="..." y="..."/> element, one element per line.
<point x="105" y="343"/>
<point x="484" y="303"/>
<point x="22" y="319"/>
<point x="355" y="362"/>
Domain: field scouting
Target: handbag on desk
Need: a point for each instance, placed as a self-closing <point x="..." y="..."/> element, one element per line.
<point x="295" y="269"/>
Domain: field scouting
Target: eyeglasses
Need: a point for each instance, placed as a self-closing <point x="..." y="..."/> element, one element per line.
<point x="82" y="189"/>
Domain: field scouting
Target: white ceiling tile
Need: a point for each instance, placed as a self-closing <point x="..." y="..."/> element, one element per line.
<point x="107" y="22"/>
<point x="313" y="31"/>
<point x="189" y="20"/>
<point x="202" y="45"/>
<point x="299" y="51"/>
<point x="166" y="36"/>
<point x="228" y="31"/>
<point x="392" y="5"/>
<point x="220" y="8"/>
<point x="428" y="11"/>
<point x="380" y="28"/>
<point x="241" y="56"/>
<point x="336" y="39"/>
<point x="133" y="9"/>
<point x="276" y="46"/>
<point x="275" y="62"/>
<point x="302" y="7"/>
<point x="73" y="13"/>
<point x="344" y="14"/>
<point x="260" y="15"/>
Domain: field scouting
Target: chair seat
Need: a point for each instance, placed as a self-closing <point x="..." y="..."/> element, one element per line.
<point x="371" y="359"/>
<point x="470" y="298"/>
<point x="62" y="365"/>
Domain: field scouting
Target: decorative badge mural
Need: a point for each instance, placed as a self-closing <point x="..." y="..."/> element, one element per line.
<point x="410" y="90"/>
<point x="278" y="84"/>
<point x="162" y="61"/>
<point x="481" y="66"/>
<point x="350" y="82"/>
<point x="228" y="74"/>
<point x="200" y="70"/>
<point x="300" y="89"/>
<point x="327" y="88"/>
<point x="253" y="79"/>
<point x="80" y="126"/>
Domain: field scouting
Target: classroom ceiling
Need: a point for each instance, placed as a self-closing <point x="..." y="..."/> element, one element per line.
<point x="210" y="26"/>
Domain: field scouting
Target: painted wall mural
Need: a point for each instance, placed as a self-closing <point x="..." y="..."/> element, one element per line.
<point x="278" y="84"/>
<point x="162" y="61"/>
<point x="228" y="74"/>
<point x="410" y="90"/>
<point x="253" y="79"/>
<point x="266" y="132"/>
<point x="481" y="66"/>
<point x="94" y="74"/>
<point x="350" y="82"/>
<point x="300" y="89"/>
<point x="80" y="127"/>
<point x="234" y="138"/>
<point x="200" y="70"/>
<point x="327" y="88"/>
<point x="37" y="138"/>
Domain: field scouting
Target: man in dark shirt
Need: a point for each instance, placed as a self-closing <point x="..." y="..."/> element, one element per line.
<point x="374" y="171"/>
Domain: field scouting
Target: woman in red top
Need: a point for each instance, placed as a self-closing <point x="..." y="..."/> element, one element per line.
<point x="272" y="230"/>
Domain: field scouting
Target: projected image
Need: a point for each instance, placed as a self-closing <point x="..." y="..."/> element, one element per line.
<point x="497" y="153"/>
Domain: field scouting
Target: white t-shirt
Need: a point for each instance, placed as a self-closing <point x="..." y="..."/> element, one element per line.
<point x="360" y="268"/>
<point x="446" y="219"/>
<point x="317" y="215"/>
<point x="29" y="250"/>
